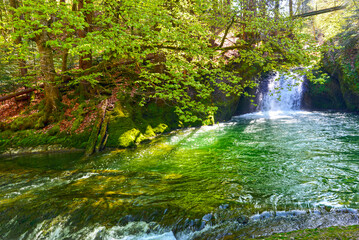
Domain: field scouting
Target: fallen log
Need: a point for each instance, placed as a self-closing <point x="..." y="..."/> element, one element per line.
<point x="19" y="93"/>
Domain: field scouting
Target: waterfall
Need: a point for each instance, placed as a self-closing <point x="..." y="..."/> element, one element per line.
<point x="280" y="93"/>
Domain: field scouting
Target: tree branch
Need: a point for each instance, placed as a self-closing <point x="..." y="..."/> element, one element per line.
<point x="226" y="32"/>
<point x="313" y="13"/>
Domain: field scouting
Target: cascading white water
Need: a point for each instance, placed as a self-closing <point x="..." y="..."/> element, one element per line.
<point x="282" y="93"/>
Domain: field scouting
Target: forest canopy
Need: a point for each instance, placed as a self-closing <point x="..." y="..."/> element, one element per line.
<point x="175" y="51"/>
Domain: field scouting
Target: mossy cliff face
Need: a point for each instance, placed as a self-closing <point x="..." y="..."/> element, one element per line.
<point x="228" y="106"/>
<point x="344" y="66"/>
<point x="342" y="89"/>
<point x="323" y="96"/>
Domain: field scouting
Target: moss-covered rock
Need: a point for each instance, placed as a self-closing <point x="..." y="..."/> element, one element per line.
<point x="129" y="125"/>
<point x="349" y="84"/>
<point x="29" y="140"/>
<point x="348" y="232"/>
<point x="323" y="96"/>
<point x="226" y="108"/>
<point x="343" y="66"/>
<point x="129" y="138"/>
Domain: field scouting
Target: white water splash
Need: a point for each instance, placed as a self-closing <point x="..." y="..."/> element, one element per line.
<point x="283" y="93"/>
<point x="58" y="229"/>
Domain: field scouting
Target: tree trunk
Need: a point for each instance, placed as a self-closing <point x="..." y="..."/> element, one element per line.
<point x="251" y="12"/>
<point x="262" y="8"/>
<point x="276" y="9"/>
<point x="12" y="95"/>
<point x="47" y="72"/>
<point x="65" y="52"/>
<point x="291" y="8"/>
<point x="65" y="55"/>
<point x="85" y="60"/>
<point x="22" y="63"/>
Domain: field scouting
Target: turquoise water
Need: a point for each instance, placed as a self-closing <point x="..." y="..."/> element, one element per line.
<point x="254" y="175"/>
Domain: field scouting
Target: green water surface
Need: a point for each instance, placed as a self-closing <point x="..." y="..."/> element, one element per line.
<point x="252" y="164"/>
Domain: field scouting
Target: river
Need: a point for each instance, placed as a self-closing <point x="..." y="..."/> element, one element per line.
<point x="271" y="171"/>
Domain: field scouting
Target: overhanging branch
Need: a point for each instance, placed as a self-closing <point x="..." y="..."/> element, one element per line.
<point x="313" y="13"/>
<point x="226" y="32"/>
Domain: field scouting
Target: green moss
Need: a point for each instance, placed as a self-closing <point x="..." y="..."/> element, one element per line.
<point x="348" y="232"/>
<point x="349" y="81"/>
<point x="342" y="68"/>
<point x="159" y="115"/>
<point x="4" y="142"/>
<point x="130" y="125"/>
<point x="80" y="114"/>
<point x="160" y="128"/>
<point x="91" y="143"/>
<point x="77" y="123"/>
<point x="150" y="132"/>
<point x="40" y="123"/>
<point x="54" y="130"/>
<point x="128" y="138"/>
<point x="32" y="138"/>
<point x="226" y="108"/>
<point x="116" y="127"/>
<point x="325" y="96"/>
<point x="120" y="111"/>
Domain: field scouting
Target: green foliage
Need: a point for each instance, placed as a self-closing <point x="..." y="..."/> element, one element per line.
<point x="350" y="76"/>
<point x="7" y="83"/>
<point x="178" y="52"/>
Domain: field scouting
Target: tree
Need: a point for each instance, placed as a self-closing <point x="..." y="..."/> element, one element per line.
<point x="14" y="4"/>
<point x="85" y="62"/>
<point x="176" y="51"/>
<point x="41" y="22"/>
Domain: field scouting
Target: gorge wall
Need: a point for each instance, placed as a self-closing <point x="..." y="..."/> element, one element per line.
<point x="341" y="91"/>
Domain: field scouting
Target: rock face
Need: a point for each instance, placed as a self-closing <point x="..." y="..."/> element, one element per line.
<point x="247" y="104"/>
<point x="234" y="105"/>
<point x="342" y="90"/>
<point x="323" y="96"/>
<point x="229" y="106"/>
<point x="344" y="67"/>
<point x="226" y="107"/>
